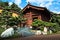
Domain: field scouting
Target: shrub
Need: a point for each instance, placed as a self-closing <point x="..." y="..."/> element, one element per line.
<point x="41" y="24"/>
<point x="1" y="30"/>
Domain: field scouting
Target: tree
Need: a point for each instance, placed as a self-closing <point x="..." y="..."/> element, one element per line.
<point x="41" y="24"/>
<point x="4" y="4"/>
<point x="38" y="24"/>
<point x="15" y="7"/>
<point x="5" y="15"/>
<point x="56" y="19"/>
<point x="8" y="20"/>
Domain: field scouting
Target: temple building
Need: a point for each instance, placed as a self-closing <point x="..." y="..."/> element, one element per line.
<point x="32" y="12"/>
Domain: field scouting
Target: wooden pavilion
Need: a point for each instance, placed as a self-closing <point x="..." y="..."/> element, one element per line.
<point x="32" y="12"/>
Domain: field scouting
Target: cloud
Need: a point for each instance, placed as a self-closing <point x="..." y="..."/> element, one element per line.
<point x="58" y="12"/>
<point x="42" y="3"/>
<point x="17" y="2"/>
<point x="46" y="4"/>
<point x="52" y="5"/>
<point x="38" y="1"/>
<point x="10" y="3"/>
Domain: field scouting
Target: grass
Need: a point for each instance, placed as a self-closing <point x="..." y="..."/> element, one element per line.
<point x="1" y="30"/>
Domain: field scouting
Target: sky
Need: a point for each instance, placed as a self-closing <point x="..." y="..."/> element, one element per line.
<point x="51" y="5"/>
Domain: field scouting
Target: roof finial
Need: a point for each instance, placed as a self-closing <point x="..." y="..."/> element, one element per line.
<point x="28" y="2"/>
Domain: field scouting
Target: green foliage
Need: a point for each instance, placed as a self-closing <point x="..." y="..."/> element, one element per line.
<point x="41" y="28"/>
<point x="7" y="19"/>
<point x="6" y="16"/>
<point x="15" y="7"/>
<point x="49" y="24"/>
<point x="1" y="30"/>
<point x="14" y="21"/>
<point x="56" y="19"/>
<point x="4" y="4"/>
<point x="41" y="24"/>
<point x="37" y="23"/>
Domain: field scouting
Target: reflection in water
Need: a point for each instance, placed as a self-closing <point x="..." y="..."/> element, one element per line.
<point x="25" y="31"/>
<point x="20" y="31"/>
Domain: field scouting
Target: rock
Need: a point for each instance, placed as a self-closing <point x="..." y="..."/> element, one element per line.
<point x="45" y="30"/>
<point x="50" y="31"/>
<point x="38" y="32"/>
<point x="8" y="32"/>
<point x="44" y="33"/>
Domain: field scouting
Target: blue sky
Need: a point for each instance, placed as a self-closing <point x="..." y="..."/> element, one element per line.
<point x="52" y="5"/>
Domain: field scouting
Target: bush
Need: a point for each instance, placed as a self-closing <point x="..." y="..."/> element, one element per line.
<point x="1" y="30"/>
<point x="41" y="24"/>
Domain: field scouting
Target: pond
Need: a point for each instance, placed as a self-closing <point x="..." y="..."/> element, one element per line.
<point x="25" y="31"/>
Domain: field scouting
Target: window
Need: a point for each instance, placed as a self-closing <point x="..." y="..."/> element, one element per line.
<point x="35" y="18"/>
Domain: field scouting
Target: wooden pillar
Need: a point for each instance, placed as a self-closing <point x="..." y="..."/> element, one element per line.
<point x="39" y="16"/>
<point x="29" y="19"/>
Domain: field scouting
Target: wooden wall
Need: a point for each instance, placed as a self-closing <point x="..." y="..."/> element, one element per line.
<point x="32" y="14"/>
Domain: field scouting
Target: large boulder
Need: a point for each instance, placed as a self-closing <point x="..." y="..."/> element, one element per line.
<point x="8" y="32"/>
<point x="38" y="32"/>
<point x="45" y="30"/>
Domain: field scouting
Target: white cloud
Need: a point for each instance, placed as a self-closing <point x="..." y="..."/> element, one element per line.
<point x="41" y="2"/>
<point x="58" y="12"/>
<point x="10" y="3"/>
<point x="17" y="2"/>
<point x="47" y="3"/>
<point x="38" y="1"/>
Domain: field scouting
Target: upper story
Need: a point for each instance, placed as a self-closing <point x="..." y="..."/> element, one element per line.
<point x="32" y="12"/>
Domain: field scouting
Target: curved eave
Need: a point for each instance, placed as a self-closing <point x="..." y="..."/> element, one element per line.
<point x="33" y="7"/>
